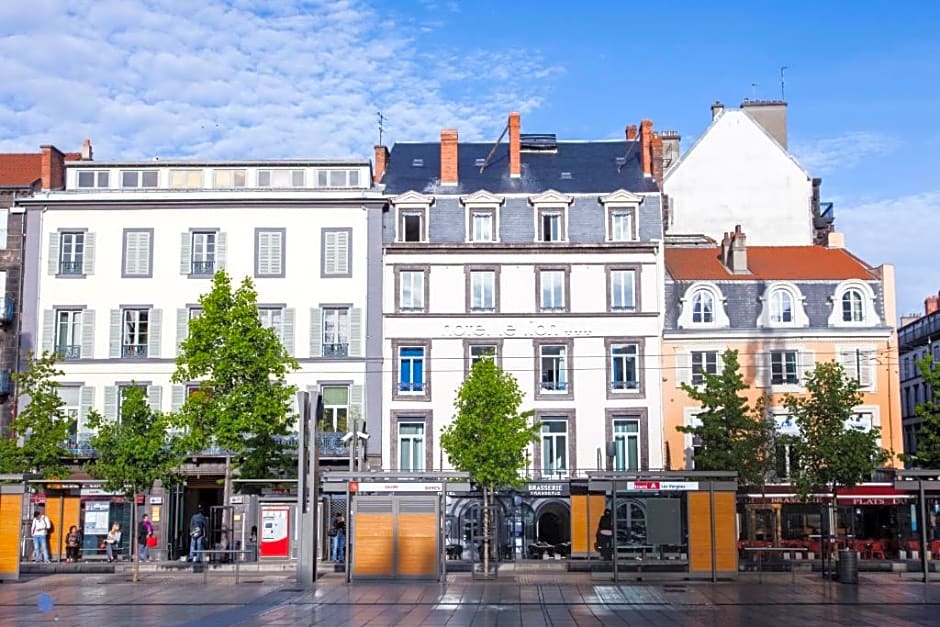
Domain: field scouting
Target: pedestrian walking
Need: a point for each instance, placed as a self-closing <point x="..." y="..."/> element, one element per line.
<point x="144" y="533"/>
<point x="338" y="538"/>
<point x="197" y="535"/>
<point x="73" y="541"/>
<point x="40" y="531"/>
<point x="112" y="541"/>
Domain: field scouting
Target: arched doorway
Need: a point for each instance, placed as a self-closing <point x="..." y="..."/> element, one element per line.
<point x="553" y="524"/>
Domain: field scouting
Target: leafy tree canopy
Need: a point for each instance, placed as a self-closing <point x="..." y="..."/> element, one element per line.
<point x="244" y="404"/>
<point x="928" y="433"/>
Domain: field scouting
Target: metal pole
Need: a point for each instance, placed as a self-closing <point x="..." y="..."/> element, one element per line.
<point x="349" y="529"/>
<point x="442" y="530"/>
<point x="613" y="539"/>
<point x="307" y="491"/>
<point x="711" y="521"/>
<point x="923" y="530"/>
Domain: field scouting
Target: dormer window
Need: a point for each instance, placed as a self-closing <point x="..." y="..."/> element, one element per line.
<point x="481" y="226"/>
<point x="852" y="310"/>
<point x="411" y="228"/>
<point x="781" y="307"/>
<point x="482" y="216"/>
<point x="703" y="307"/>
<point x="551" y="226"/>
<point x="411" y="217"/>
<point x="853" y="304"/>
<point x="621" y="209"/>
<point x="621" y="225"/>
<point x="138" y="178"/>
<point x="551" y="216"/>
<point x="93" y="179"/>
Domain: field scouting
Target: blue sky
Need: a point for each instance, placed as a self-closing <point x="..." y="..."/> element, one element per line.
<point x="251" y="78"/>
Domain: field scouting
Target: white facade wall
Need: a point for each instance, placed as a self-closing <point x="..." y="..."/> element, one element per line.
<point x="736" y="173"/>
<point x="515" y="328"/>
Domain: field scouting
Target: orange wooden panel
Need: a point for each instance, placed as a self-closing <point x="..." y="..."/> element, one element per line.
<point x="726" y="552"/>
<point x="10" y="516"/>
<point x="586" y="511"/>
<point x="54" y="512"/>
<point x="700" y="538"/>
<point x="372" y="545"/>
<point x="417" y="545"/>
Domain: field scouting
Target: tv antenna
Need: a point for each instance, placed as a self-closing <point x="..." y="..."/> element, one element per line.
<point x="783" y="94"/>
<point x="381" y="125"/>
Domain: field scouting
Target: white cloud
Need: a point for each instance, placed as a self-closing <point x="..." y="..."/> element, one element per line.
<point x="901" y="231"/>
<point x="244" y="79"/>
<point x="827" y="154"/>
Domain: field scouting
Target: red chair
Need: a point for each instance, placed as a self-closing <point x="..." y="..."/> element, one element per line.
<point x="935" y="548"/>
<point x="878" y="550"/>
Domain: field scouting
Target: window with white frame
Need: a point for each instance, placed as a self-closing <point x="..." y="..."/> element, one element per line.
<point x="553" y="366"/>
<point x="228" y="178"/>
<point x="624" y="369"/>
<point x="71" y="252"/>
<point x="622" y="290"/>
<point x="280" y="178"/>
<point x="337" y="178"/>
<point x="335" y="331"/>
<point x="71" y="409"/>
<point x="411" y="446"/>
<point x="551" y="226"/>
<point x="554" y="451"/>
<point x="411" y="287"/>
<point x="552" y="290"/>
<point x="478" y="352"/>
<point x="621" y="225"/>
<point x="482" y="290"/>
<point x="411" y="226"/>
<point x="411" y="376"/>
<point x="784" y="368"/>
<point x="272" y="318"/>
<point x="703" y="307"/>
<point x="186" y="179"/>
<point x="853" y="307"/>
<point x="68" y="340"/>
<point x="482" y="226"/>
<point x="139" y="178"/>
<point x="136" y="333"/>
<point x="335" y="408"/>
<point x="781" y="306"/>
<point x="94" y="179"/>
<point x="703" y="362"/>
<point x="336" y="253"/>
<point x="626" y="444"/>
<point x="203" y="252"/>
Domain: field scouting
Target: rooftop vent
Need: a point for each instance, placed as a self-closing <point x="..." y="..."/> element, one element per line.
<point x="538" y="142"/>
<point x="621" y="160"/>
<point x="479" y="162"/>
<point x="566" y="175"/>
<point x="418" y="163"/>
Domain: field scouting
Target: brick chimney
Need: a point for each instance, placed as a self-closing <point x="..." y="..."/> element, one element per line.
<point x="515" y="145"/>
<point x="631" y="133"/>
<point x="449" y="156"/>
<point x="380" y="163"/>
<point x="646" y="141"/>
<point x="52" y="167"/>
<point x="734" y="251"/>
<point x="931" y="305"/>
<point x="86" y="150"/>
<point x="656" y="157"/>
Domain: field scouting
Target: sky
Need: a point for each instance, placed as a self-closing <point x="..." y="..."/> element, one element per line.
<point x="305" y="79"/>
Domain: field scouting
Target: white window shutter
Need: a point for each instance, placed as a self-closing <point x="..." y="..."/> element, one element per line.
<point x="807" y="364"/>
<point x="182" y="326"/>
<point x="114" y="344"/>
<point x="274" y="253"/>
<point x="683" y="368"/>
<point x="316" y="332"/>
<point x="155" y="397"/>
<point x="287" y="330"/>
<point x="48" y="331"/>
<point x="130" y="253"/>
<point x="847" y="359"/>
<point x="155" y="333"/>
<point x="87" y="403"/>
<point x="355" y="406"/>
<point x="144" y="254"/>
<point x="221" y="251"/>
<point x="264" y="253"/>
<point x="866" y="367"/>
<point x="342" y="252"/>
<point x="110" y="402"/>
<point x="355" y="332"/>
<point x="53" y="260"/>
<point x="88" y="256"/>
<point x="186" y="253"/>
<point x="329" y="252"/>
<point x="88" y="334"/>
<point x="177" y="397"/>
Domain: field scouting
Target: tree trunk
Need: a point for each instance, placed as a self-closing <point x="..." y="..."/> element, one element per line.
<point x="134" y="548"/>
<point x="486" y="531"/>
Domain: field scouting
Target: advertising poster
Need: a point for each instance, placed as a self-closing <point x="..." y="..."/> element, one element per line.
<point x="96" y="518"/>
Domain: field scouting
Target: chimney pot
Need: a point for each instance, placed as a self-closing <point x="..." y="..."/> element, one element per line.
<point x="449" y="156"/>
<point x="515" y="145"/>
<point x="631" y="132"/>
<point x="717" y="108"/>
<point x="52" y="167"/>
<point x="86" y="150"/>
<point x="381" y="163"/>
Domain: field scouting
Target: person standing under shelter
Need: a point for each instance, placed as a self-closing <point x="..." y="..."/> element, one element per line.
<point x="338" y="536"/>
<point x="40" y="533"/>
<point x="197" y="535"/>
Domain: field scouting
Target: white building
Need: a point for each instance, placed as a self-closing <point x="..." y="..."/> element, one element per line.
<point x="548" y="256"/>
<point x="116" y="262"/>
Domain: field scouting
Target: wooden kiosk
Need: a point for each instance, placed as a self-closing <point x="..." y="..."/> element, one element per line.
<point x="12" y="514"/>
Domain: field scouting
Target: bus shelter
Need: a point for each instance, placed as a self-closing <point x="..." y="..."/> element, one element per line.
<point x="395" y="522"/>
<point x="924" y="518"/>
<point x="647" y="522"/>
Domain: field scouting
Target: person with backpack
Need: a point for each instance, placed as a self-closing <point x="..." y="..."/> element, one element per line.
<point x="197" y="535"/>
<point x="40" y="531"/>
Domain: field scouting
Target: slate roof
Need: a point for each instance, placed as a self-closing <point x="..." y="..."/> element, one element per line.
<point x="20" y="170"/>
<point x="768" y="263"/>
<point x="592" y="166"/>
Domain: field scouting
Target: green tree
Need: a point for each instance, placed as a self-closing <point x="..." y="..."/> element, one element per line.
<point x="489" y="435"/>
<point x="244" y="404"/>
<point x="731" y="435"/>
<point x="134" y="451"/>
<point x="42" y="425"/>
<point x="831" y="452"/>
<point x="927" y="454"/>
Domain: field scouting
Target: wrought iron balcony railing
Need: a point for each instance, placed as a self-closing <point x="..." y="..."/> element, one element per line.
<point x="336" y="350"/>
<point x="71" y="267"/>
<point x="134" y="351"/>
<point x="69" y="351"/>
<point x="203" y="267"/>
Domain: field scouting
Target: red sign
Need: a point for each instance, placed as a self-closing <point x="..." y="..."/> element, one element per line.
<point x="645" y="485"/>
<point x="353" y="486"/>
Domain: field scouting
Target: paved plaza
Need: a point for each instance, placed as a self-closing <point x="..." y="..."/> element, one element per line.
<point x="183" y="599"/>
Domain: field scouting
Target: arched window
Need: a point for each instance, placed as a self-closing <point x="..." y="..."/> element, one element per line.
<point x="852" y="308"/>
<point x="781" y="306"/>
<point x="703" y="307"/>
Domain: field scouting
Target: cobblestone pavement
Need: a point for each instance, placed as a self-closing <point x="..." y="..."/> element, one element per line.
<point x="183" y="599"/>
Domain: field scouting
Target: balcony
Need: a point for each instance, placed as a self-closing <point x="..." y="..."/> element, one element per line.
<point x="6" y="383"/>
<point x="7" y="309"/>
<point x="625" y="385"/>
<point x="203" y="267"/>
<point x="554" y="386"/>
<point x="67" y="352"/>
<point x="134" y="351"/>
<point x="71" y="267"/>
<point x="336" y="350"/>
<point x="331" y="444"/>
<point x="413" y="386"/>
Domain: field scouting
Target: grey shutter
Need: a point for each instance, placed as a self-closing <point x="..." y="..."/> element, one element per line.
<point x="683" y="368"/>
<point x="287" y="330"/>
<point x="53" y="259"/>
<point x="131" y="253"/>
<point x="186" y="253"/>
<point x="221" y="251"/>
<point x="87" y="403"/>
<point x="329" y="252"/>
<point x="110" y="402"/>
<point x="342" y="252"/>
<point x="177" y="397"/>
<point x="262" y="254"/>
<point x="316" y="332"/>
<point x="355" y="332"/>
<point x="88" y="334"/>
<point x="355" y="407"/>
<point x="155" y="331"/>
<point x="277" y="246"/>
<point x="114" y="345"/>
<point x="182" y="326"/>
<point x="807" y="363"/>
<point x="48" y="331"/>
<point x="88" y="258"/>
<point x="866" y="366"/>
<point x="155" y="397"/>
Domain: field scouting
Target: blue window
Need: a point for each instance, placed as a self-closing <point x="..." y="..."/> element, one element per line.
<point x="623" y="365"/>
<point x="411" y="369"/>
